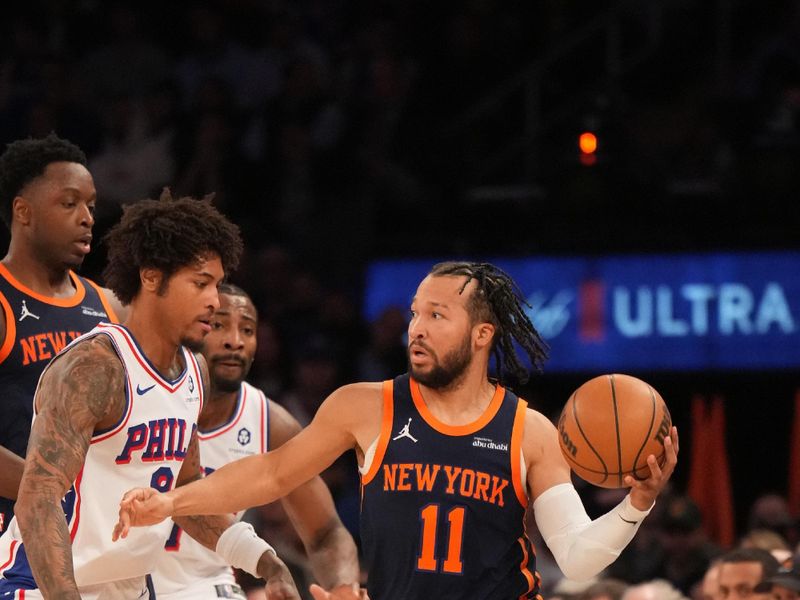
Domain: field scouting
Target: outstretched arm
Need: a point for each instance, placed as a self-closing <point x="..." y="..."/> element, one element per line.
<point x="207" y="529"/>
<point x="262" y="478"/>
<point x="582" y="547"/>
<point x="81" y="390"/>
<point x="330" y="547"/>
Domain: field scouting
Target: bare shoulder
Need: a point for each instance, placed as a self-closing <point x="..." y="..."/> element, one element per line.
<point x="540" y="438"/>
<point x="370" y="391"/>
<point x="355" y="408"/>
<point x="85" y="356"/>
<point x="356" y="399"/>
<point x="537" y="424"/>
<point x="545" y="463"/>
<point x="90" y="374"/>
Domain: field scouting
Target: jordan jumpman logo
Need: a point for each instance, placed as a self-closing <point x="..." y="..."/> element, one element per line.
<point x="405" y="433"/>
<point x="26" y="313"/>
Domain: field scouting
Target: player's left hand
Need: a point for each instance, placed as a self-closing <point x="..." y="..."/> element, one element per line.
<point x="340" y="592"/>
<point x="645" y="491"/>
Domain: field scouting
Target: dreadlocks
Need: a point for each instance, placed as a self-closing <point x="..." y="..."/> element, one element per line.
<point x="498" y="300"/>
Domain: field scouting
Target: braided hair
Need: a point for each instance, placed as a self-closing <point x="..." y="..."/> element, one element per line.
<point x="498" y="300"/>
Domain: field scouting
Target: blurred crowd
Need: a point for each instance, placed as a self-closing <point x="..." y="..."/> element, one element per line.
<point x="313" y="121"/>
<point x="673" y="558"/>
<point x="316" y="125"/>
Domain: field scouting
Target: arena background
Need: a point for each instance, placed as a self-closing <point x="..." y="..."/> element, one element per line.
<point x="337" y="133"/>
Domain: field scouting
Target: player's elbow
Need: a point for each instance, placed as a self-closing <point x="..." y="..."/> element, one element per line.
<point x="583" y="565"/>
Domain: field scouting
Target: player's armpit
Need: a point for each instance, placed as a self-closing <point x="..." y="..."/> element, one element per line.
<point x="79" y="392"/>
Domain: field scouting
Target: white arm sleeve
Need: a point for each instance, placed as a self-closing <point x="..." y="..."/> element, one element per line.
<point x="582" y="547"/>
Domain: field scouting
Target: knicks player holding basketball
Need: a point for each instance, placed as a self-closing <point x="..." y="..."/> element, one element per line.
<point x="450" y="460"/>
<point x="47" y="199"/>
<point x="120" y="405"/>
<point x="238" y="420"/>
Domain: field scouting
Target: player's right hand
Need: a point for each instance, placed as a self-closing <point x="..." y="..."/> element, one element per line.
<point x="140" y="507"/>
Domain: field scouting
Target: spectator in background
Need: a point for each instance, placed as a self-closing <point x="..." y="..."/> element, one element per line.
<point x="741" y="570"/>
<point x="688" y="552"/>
<point x="386" y="352"/>
<point x="708" y="588"/>
<point x="605" y="589"/>
<point x="125" y="61"/>
<point x="768" y="540"/>
<point x="657" y="589"/>
<point x="674" y="546"/>
<point x="771" y="511"/>
<point x="785" y="584"/>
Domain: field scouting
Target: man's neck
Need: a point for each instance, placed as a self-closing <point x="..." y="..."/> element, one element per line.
<point x="217" y="410"/>
<point x="162" y="352"/>
<point x="463" y="401"/>
<point x="44" y="279"/>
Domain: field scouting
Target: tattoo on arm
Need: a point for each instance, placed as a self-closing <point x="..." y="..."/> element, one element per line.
<point x="206" y="529"/>
<point x="80" y="390"/>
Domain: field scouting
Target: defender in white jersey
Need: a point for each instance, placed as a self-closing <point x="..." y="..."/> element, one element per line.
<point x="120" y="405"/>
<point x="238" y="421"/>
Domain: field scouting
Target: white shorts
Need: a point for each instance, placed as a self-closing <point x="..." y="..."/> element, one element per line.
<point x="203" y="590"/>
<point x="130" y="589"/>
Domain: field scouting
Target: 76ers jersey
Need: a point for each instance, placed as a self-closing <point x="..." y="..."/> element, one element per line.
<point x="146" y="448"/>
<point x="186" y="562"/>
<point x="443" y="506"/>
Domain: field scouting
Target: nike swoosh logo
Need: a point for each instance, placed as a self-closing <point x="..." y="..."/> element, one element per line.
<point x="626" y="520"/>
<point x="141" y="391"/>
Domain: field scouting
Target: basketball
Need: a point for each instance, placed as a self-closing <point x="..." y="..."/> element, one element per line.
<point x="609" y="426"/>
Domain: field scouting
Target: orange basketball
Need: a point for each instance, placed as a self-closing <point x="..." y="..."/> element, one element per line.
<point x="609" y="426"/>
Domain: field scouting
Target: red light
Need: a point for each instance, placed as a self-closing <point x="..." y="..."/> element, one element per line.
<point x="587" y="142"/>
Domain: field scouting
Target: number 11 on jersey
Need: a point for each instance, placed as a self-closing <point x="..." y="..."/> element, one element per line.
<point x="427" y="561"/>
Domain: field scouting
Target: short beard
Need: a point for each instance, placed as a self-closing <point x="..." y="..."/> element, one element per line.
<point x="195" y="346"/>
<point x="445" y="373"/>
<point x="221" y="384"/>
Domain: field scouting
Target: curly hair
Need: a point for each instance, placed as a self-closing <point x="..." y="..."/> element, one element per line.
<point x="167" y="234"/>
<point x="25" y="160"/>
<point x="497" y="300"/>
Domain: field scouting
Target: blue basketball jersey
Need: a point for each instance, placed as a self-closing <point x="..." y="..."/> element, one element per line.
<point x="443" y="506"/>
<point x="37" y="328"/>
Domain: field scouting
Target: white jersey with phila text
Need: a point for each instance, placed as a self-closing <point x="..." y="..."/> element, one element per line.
<point x="186" y="566"/>
<point x="145" y="448"/>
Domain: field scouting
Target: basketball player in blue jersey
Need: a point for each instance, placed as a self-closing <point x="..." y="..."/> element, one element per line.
<point x="119" y="406"/>
<point x="450" y="459"/>
<point x="238" y="420"/>
<point x="47" y="200"/>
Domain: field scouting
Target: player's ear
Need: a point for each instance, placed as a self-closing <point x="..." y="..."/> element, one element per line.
<point x="151" y="279"/>
<point x="483" y="334"/>
<point x="21" y="210"/>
